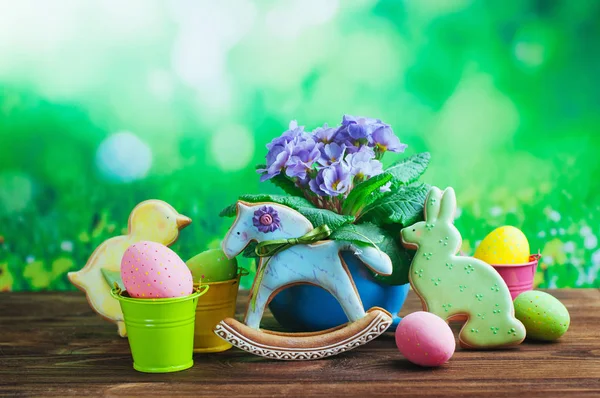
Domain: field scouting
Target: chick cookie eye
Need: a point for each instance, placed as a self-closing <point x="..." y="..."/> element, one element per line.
<point x="414" y="230"/>
<point x="238" y="233"/>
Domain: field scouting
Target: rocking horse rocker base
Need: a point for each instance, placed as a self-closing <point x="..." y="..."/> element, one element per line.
<point x="305" y="346"/>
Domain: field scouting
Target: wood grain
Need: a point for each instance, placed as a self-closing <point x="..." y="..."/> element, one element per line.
<point x="53" y="344"/>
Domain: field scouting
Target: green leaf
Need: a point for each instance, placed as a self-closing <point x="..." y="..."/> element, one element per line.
<point x="400" y="256"/>
<point x="405" y="207"/>
<point x="249" y="250"/>
<point x="281" y="181"/>
<point x="288" y="186"/>
<point x="319" y="217"/>
<point x="367" y="233"/>
<point x="111" y="277"/>
<point x="295" y="202"/>
<point x="410" y="169"/>
<point x="229" y="211"/>
<point x="360" y="194"/>
<point x="375" y="196"/>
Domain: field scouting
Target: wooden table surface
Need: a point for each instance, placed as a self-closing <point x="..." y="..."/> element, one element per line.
<point x="53" y="344"/>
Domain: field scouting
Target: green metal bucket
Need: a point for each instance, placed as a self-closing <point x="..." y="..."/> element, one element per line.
<point x="160" y="331"/>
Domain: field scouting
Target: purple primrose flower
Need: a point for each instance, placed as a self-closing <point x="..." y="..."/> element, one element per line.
<point x="337" y="179"/>
<point x="333" y="180"/>
<point x="315" y="184"/>
<point x="384" y="139"/>
<point x="359" y="128"/>
<point x="293" y="131"/>
<point x="351" y="146"/>
<point x="281" y="150"/>
<point x="277" y="158"/>
<point x="331" y="153"/>
<point x="329" y="160"/>
<point x="363" y="163"/>
<point x="325" y="134"/>
<point x="266" y="219"/>
<point x="304" y="156"/>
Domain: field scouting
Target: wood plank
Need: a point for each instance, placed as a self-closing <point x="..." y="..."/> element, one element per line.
<point x="54" y="344"/>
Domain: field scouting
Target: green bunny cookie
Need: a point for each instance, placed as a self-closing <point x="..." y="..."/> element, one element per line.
<point x="453" y="286"/>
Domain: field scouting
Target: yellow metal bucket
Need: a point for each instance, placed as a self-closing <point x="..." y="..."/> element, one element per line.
<point x="217" y="304"/>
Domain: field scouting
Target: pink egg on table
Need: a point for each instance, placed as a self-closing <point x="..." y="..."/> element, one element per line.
<point x="152" y="270"/>
<point x="425" y="339"/>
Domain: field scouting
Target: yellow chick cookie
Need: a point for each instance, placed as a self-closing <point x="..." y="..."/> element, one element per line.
<point x="151" y="220"/>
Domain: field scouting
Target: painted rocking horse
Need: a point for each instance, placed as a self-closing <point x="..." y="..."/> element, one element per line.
<point x="292" y="252"/>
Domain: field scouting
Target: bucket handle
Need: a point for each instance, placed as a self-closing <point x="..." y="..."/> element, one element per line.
<point x="537" y="258"/>
<point x="241" y="271"/>
<point x="116" y="291"/>
<point x="202" y="289"/>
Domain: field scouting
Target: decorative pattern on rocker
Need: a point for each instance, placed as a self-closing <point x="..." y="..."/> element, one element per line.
<point x="378" y="326"/>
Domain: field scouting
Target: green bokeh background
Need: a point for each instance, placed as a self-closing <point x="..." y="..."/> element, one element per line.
<point x="107" y="103"/>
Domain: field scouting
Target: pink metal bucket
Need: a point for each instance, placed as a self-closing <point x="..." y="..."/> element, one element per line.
<point x="518" y="277"/>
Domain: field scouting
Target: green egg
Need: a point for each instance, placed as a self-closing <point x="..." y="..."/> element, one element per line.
<point x="212" y="266"/>
<point x="544" y="317"/>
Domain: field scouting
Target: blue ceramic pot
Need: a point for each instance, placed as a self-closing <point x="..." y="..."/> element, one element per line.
<point x="307" y="308"/>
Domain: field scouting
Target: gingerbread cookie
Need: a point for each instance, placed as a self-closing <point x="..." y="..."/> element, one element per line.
<point x="304" y="258"/>
<point x="152" y="220"/>
<point x="452" y="286"/>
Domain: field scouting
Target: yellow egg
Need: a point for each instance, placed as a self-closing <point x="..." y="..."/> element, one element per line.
<point x="504" y="245"/>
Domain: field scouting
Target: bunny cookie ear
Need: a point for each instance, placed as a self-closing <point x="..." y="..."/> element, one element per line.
<point x="448" y="205"/>
<point x="432" y="204"/>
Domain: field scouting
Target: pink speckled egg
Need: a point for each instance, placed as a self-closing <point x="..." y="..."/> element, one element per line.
<point x="425" y="339"/>
<point x="152" y="270"/>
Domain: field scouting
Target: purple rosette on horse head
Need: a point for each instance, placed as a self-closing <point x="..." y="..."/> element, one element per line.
<point x="266" y="219"/>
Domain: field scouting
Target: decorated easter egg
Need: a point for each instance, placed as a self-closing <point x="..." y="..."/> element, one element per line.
<point x="504" y="245"/>
<point x="212" y="266"/>
<point x="544" y="317"/>
<point x="425" y="339"/>
<point x="152" y="270"/>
